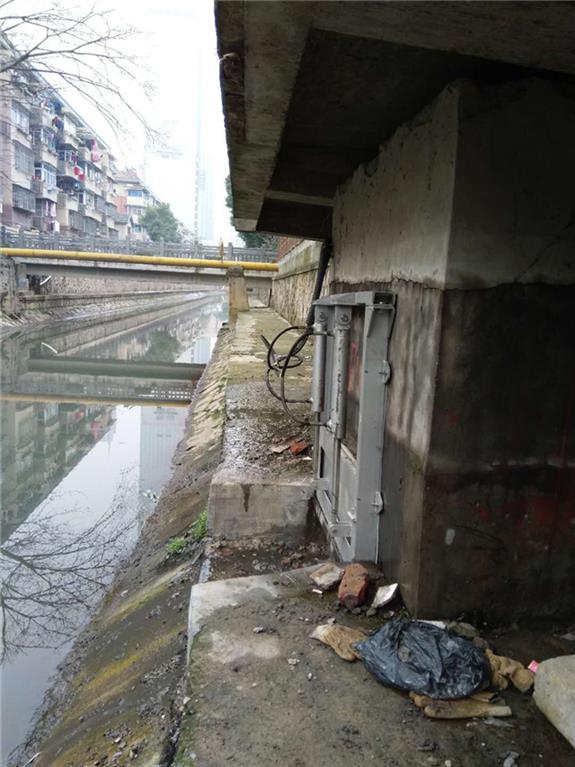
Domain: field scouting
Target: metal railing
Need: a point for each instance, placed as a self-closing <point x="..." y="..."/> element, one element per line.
<point x="12" y="238"/>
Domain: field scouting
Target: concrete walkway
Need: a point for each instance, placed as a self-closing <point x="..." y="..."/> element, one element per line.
<point x="258" y="490"/>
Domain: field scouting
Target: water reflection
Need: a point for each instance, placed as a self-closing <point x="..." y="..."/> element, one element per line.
<point x="78" y="479"/>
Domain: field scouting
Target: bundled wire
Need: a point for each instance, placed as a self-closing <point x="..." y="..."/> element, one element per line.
<point x="279" y="364"/>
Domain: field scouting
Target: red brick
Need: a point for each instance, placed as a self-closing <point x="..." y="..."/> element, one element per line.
<point x="353" y="586"/>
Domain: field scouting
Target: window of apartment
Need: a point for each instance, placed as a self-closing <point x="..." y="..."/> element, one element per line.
<point x="76" y="220"/>
<point x="90" y="226"/>
<point x="45" y="208"/>
<point x="87" y="198"/>
<point x="23" y="158"/>
<point x="135" y="192"/>
<point x="133" y="210"/>
<point x="67" y="155"/>
<point x="5" y="128"/>
<point x="99" y="203"/>
<point x="20" y="117"/>
<point x="45" y="138"/>
<point x="47" y="173"/>
<point x="23" y="198"/>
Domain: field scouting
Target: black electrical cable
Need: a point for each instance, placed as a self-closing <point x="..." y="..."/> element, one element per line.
<point x="297" y="345"/>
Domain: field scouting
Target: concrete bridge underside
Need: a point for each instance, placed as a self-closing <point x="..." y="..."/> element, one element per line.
<point x="199" y="278"/>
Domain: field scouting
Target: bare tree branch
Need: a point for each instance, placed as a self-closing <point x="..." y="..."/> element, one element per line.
<point x="52" y="577"/>
<point x="81" y="51"/>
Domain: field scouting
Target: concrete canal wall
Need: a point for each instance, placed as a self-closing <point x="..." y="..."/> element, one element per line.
<point x="121" y="691"/>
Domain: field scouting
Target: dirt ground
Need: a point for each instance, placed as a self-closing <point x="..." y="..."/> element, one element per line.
<point x="249" y="706"/>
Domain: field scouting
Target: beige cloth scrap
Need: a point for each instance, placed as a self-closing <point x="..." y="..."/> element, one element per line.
<point x="504" y="669"/>
<point x="340" y="638"/>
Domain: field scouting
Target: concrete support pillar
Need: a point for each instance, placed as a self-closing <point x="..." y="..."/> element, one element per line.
<point x="467" y="215"/>
<point x="238" y="294"/>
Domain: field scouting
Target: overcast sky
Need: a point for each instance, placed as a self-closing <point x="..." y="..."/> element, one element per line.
<point x="176" y="45"/>
<point x="177" y="41"/>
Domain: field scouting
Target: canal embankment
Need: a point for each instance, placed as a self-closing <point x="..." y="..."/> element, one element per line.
<point x="122" y="691"/>
<point x="92" y="309"/>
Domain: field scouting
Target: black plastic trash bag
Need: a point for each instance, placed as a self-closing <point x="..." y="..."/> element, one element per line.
<point x="418" y="656"/>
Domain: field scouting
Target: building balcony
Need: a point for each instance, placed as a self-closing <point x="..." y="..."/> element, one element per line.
<point x="137" y="202"/>
<point x="43" y="191"/>
<point x="42" y="223"/>
<point x="91" y="186"/>
<point x="66" y="138"/>
<point x="90" y="212"/>
<point x="42" y="153"/>
<point x="66" y="169"/>
<point x="68" y="201"/>
<point x="40" y="118"/>
<point x="21" y="179"/>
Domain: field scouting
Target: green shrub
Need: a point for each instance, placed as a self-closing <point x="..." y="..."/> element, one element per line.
<point x="176" y="545"/>
<point x="200" y="527"/>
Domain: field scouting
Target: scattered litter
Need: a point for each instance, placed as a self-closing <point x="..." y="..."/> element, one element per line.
<point x="298" y="446"/>
<point x="533" y="666"/>
<point x="327" y="576"/>
<point x="259" y="629"/>
<point x="353" y="586"/>
<point x="437" y="624"/>
<point x="317" y="591"/>
<point x="570" y="636"/>
<point x="384" y="595"/>
<point x="277" y="449"/>
<point x="510" y="759"/>
<point x="465" y="630"/>
<point x="464" y="708"/>
<point x="416" y="656"/>
<point x="340" y="638"/>
<point x="309" y="676"/>
<point x="293" y="661"/>
<point x="505" y="669"/>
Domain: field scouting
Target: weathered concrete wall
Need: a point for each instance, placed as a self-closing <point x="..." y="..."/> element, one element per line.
<point x="513" y="200"/>
<point x="466" y="216"/>
<point x="66" y="284"/>
<point x="392" y="231"/>
<point x="392" y="218"/>
<point x="293" y="287"/>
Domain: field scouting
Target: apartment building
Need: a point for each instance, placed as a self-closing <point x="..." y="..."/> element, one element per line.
<point x="56" y="174"/>
<point x="133" y="196"/>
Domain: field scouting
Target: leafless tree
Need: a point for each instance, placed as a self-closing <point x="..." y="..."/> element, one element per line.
<point x="52" y="577"/>
<point x="78" y="50"/>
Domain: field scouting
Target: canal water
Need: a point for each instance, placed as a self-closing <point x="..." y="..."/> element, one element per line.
<point x="84" y="458"/>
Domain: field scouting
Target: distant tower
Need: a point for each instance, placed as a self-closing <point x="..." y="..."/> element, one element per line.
<point x="203" y="182"/>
